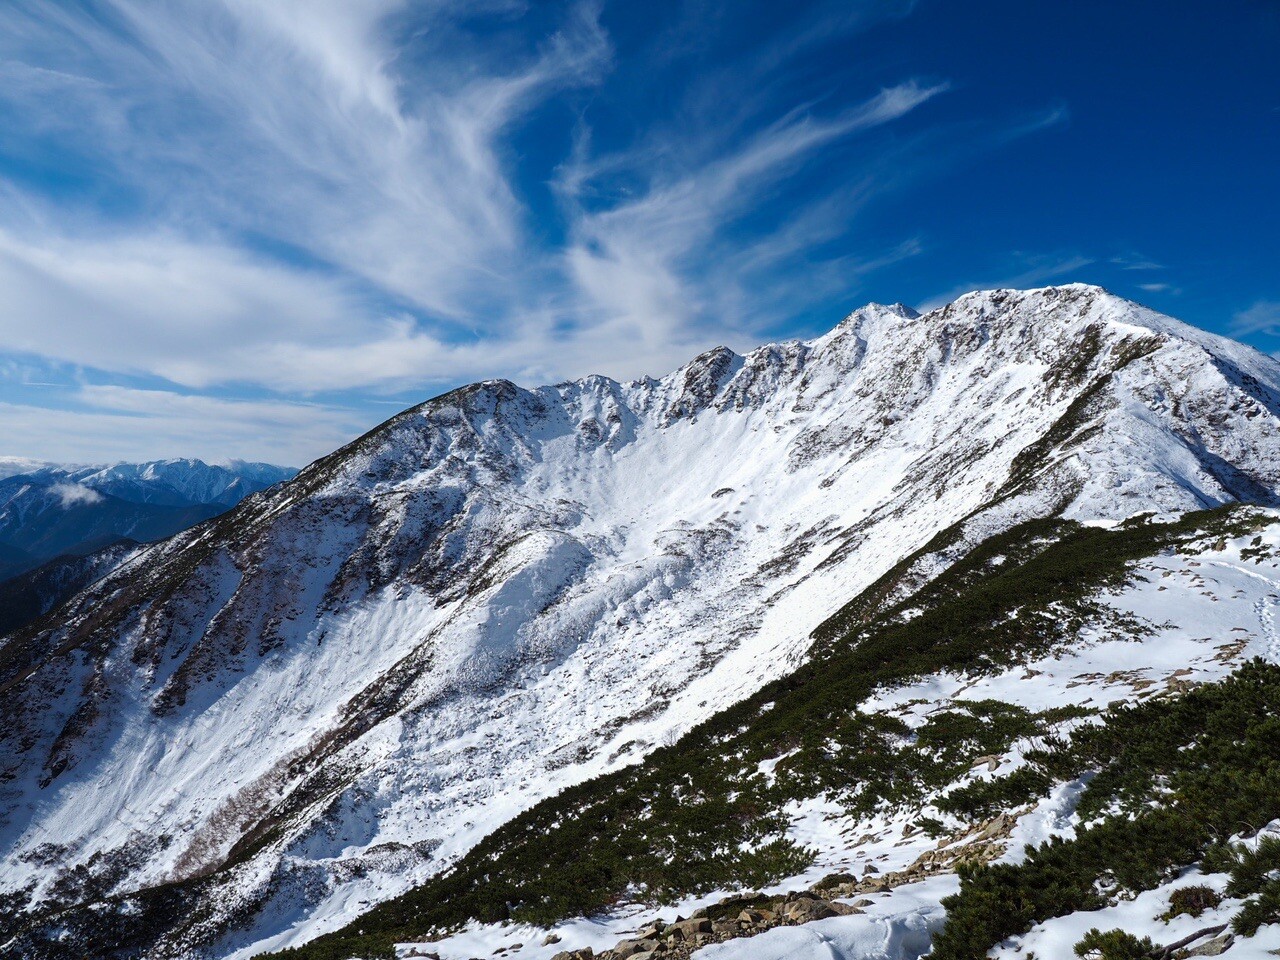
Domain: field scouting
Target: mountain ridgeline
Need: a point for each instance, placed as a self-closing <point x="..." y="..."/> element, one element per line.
<point x="526" y="655"/>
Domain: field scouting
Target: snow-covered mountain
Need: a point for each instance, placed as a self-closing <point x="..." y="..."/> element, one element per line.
<point x="48" y="511"/>
<point x="335" y="690"/>
<point x="14" y="465"/>
<point x="174" y="482"/>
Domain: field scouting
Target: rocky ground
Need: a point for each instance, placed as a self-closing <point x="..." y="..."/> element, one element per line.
<point x="751" y="914"/>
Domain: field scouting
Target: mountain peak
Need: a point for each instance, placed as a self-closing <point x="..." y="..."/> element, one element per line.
<point x="1062" y="302"/>
<point x="876" y="313"/>
<point x="1079" y="305"/>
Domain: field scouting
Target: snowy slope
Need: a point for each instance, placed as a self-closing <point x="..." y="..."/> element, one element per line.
<point x="343" y="684"/>
<point x="10" y="466"/>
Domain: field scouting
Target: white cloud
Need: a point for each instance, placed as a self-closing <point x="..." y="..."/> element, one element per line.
<point x="1134" y="261"/>
<point x="631" y="261"/>
<point x="163" y="305"/>
<point x="305" y="125"/>
<point x="1263" y="317"/>
<point x="75" y="494"/>
<point x="307" y="121"/>
<point x="119" y="423"/>
<point x="320" y="198"/>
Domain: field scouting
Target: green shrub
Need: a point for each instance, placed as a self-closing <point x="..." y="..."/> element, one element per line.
<point x="1260" y="909"/>
<point x="1176" y="779"/>
<point x="1253" y="867"/>
<point x="1192" y="901"/>
<point x="1114" y="945"/>
<point x="1255" y="877"/>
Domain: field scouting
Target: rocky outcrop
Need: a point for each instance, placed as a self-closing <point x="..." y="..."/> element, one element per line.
<point x="751" y="914"/>
<point x="735" y="917"/>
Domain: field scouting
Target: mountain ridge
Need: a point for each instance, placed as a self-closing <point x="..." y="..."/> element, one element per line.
<point x="628" y="558"/>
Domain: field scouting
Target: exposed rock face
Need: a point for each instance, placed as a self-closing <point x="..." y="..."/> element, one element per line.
<point x="334" y="690"/>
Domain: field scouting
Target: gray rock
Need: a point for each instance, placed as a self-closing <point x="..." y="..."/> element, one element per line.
<point x="803" y="911"/>
<point x="685" y="929"/>
<point x="1210" y="948"/>
<point x="628" y="948"/>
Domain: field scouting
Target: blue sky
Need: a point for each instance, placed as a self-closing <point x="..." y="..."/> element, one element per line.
<point x="232" y="228"/>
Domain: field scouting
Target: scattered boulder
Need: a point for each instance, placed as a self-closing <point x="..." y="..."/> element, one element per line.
<point x="808" y="909"/>
<point x="686" y="929"/>
<point x="844" y="909"/>
<point x="629" y="948"/>
<point x="749" y="914"/>
<point x="1210" y="948"/>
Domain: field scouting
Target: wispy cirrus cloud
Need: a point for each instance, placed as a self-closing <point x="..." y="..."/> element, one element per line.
<point x="641" y="264"/>
<point x="1135" y="261"/>
<point x="304" y="122"/>
<point x="313" y="198"/>
<point x="1263" y="317"/>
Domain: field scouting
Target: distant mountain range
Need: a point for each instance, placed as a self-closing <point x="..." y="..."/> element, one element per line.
<point x="49" y="511"/>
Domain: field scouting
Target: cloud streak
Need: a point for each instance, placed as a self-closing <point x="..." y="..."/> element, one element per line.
<point x="319" y="198"/>
<point x="1263" y="317"/>
<point x="633" y="262"/>
<point x="286" y="119"/>
<point x="119" y="423"/>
